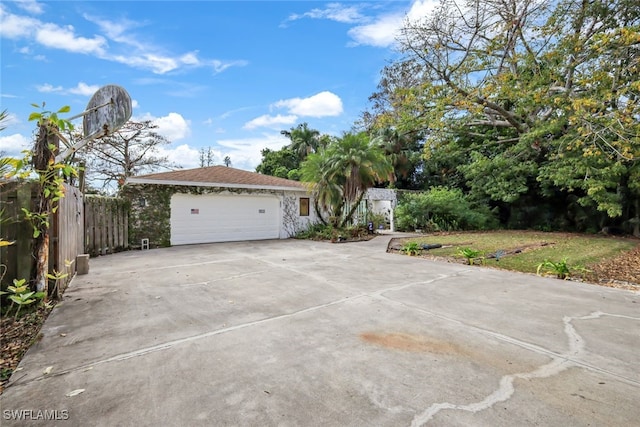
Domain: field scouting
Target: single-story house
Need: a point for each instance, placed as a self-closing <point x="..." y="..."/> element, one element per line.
<point x="215" y="204"/>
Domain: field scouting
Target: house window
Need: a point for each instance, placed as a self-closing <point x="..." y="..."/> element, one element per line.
<point x="304" y="206"/>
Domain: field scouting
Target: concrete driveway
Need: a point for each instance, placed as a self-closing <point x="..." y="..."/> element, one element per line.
<point x="301" y="333"/>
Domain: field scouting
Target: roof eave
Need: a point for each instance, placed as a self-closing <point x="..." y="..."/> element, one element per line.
<point x="133" y="180"/>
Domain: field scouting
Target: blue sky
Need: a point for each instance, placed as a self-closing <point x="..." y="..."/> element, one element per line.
<point x="229" y="75"/>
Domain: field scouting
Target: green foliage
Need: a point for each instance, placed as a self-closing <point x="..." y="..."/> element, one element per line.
<point x="278" y="163"/>
<point x="51" y="177"/>
<point x="404" y="150"/>
<point x="470" y="254"/>
<point x="525" y="121"/>
<point x="57" y="276"/>
<point x="21" y="296"/>
<point x="341" y="173"/>
<point x="442" y="209"/>
<point x="561" y="269"/>
<point x="377" y="220"/>
<point x="328" y="232"/>
<point x="51" y="118"/>
<point x="304" y="140"/>
<point x="319" y="231"/>
<point x="583" y="249"/>
<point x="412" y="248"/>
<point x="151" y="221"/>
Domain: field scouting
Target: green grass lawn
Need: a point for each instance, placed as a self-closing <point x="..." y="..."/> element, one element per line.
<point x="579" y="250"/>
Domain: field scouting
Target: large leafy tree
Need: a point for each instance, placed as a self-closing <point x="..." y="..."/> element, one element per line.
<point x="285" y="163"/>
<point x="279" y="163"/>
<point x="132" y="150"/>
<point x="341" y="173"/>
<point x="535" y="98"/>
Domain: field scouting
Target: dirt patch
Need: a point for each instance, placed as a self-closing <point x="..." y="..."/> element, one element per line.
<point x="408" y="342"/>
<point x="17" y="336"/>
<point x="622" y="271"/>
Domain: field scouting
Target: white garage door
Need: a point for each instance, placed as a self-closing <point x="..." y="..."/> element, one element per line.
<point x="214" y="218"/>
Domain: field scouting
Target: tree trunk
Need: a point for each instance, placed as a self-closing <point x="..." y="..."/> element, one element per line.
<point x="42" y="265"/>
<point x="352" y="209"/>
<point x="45" y="149"/>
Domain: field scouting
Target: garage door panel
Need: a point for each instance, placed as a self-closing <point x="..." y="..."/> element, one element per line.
<point x="216" y="218"/>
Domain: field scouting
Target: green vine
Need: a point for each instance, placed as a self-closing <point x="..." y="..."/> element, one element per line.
<point x="51" y="176"/>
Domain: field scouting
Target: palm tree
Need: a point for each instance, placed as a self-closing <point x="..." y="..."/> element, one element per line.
<point x="342" y="173"/>
<point x="304" y="141"/>
<point x="326" y="188"/>
<point x="404" y="153"/>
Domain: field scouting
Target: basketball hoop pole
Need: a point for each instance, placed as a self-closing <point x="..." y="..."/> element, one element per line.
<point x="84" y="141"/>
<point x="85" y="112"/>
<point x="78" y="145"/>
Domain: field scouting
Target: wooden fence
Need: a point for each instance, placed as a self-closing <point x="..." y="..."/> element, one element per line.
<point x="81" y="225"/>
<point x="106" y="225"/>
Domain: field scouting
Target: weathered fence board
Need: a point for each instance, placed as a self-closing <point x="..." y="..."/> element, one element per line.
<point x="106" y="225"/>
<point x="82" y="224"/>
<point x="66" y="233"/>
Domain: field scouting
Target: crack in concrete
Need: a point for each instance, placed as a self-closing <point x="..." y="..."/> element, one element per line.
<point x="506" y="389"/>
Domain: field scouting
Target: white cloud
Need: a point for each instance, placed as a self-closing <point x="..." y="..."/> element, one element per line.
<point x="246" y="153"/>
<point x="155" y="63"/>
<point x="51" y="35"/>
<point x="270" y="121"/>
<point x="149" y="57"/>
<point x="381" y="33"/>
<point x="30" y="6"/>
<point x="116" y="30"/>
<point x="81" y="89"/>
<point x="334" y="12"/>
<point x="420" y="9"/>
<point x="190" y="58"/>
<point x="126" y="48"/>
<point x="84" y="89"/>
<point x="12" y="145"/>
<point x="14" y="26"/>
<point x="182" y="155"/>
<point x="48" y="88"/>
<point x="220" y="66"/>
<point x="322" y="104"/>
<point x="172" y="126"/>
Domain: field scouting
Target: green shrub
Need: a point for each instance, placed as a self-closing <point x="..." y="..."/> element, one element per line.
<point x="470" y="254"/>
<point x="329" y="232"/>
<point x="377" y="220"/>
<point x="442" y="209"/>
<point x="561" y="269"/>
<point x="412" y="248"/>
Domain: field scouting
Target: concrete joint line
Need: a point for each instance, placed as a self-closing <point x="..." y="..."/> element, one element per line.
<point x="171" y="344"/>
<point x="174" y="266"/>
<point x="221" y="279"/>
